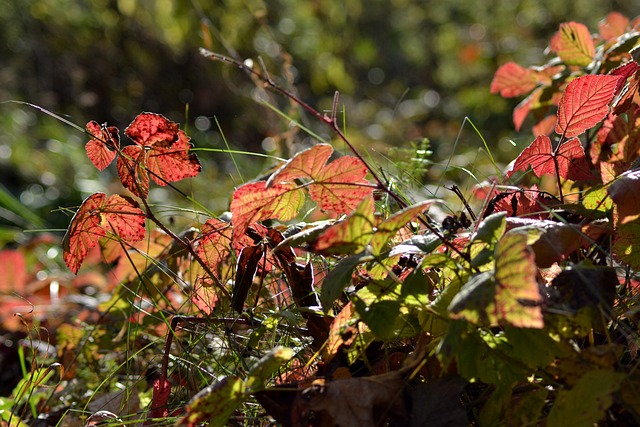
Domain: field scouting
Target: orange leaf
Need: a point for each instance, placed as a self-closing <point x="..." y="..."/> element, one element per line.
<point x="350" y="235"/>
<point x="104" y="144"/>
<point x="574" y="44"/>
<point x="613" y="26"/>
<point x="306" y="164"/>
<point x="585" y="102"/>
<point x="214" y="243"/>
<point x="255" y="202"/>
<point x="337" y="187"/>
<point x="512" y="80"/>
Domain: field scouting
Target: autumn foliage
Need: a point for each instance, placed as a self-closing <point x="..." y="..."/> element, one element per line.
<point x="348" y="303"/>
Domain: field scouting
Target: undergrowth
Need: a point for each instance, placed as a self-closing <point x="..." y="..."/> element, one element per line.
<point x="334" y="293"/>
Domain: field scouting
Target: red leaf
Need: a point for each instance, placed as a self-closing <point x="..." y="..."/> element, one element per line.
<point x="513" y="80"/>
<point x="544" y="126"/>
<point x="624" y="97"/>
<point x="13" y="272"/>
<point x="585" y="102"/>
<point x="83" y="232"/>
<point x="131" y="170"/>
<point x="574" y="44"/>
<point x="121" y="217"/>
<point x="104" y="144"/>
<point x="161" y="149"/>
<point x="522" y="110"/>
<point x="570" y="158"/>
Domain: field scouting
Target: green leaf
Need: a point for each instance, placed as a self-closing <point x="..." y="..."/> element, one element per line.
<point x="476" y="300"/>
<point x="390" y="226"/>
<point x="508" y="295"/>
<point x="380" y="316"/>
<point x="598" y="199"/>
<point x="527" y="411"/>
<point x="586" y="403"/>
<point x="214" y="404"/>
<point x="262" y="370"/>
<point x="338" y="278"/>
<point x="533" y="347"/>
<point x="518" y="298"/>
<point x="626" y="247"/>
<point x="483" y="242"/>
<point x="424" y="244"/>
<point x="491" y="228"/>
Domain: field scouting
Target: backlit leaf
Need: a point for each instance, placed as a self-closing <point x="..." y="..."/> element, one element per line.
<point x="509" y="294"/>
<point x="350" y="235"/>
<point x="104" y="144"/>
<point x="306" y="164"/>
<point x="161" y="150"/>
<point x="96" y="216"/>
<point x="585" y="102"/>
<point x="570" y="159"/>
<point x="513" y="80"/>
<point x="517" y="295"/>
<point x="340" y="186"/>
<point x="123" y="216"/>
<point x="587" y="402"/>
<point x="214" y="244"/>
<point x="390" y="226"/>
<point x="214" y="404"/>
<point x="84" y="231"/>
<point x="337" y="187"/>
<point x="255" y="202"/>
<point x="574" y="44"/>
<point x="133" y="175"/>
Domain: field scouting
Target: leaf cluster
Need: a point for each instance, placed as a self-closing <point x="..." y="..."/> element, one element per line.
<point x="329" y="304"/>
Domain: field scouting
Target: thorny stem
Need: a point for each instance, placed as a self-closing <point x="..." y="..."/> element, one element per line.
<point x="332" y="123"/>
<point x="185" y="245"/>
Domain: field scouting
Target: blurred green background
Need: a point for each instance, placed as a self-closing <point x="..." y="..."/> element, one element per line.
<point x="405" y="69"/>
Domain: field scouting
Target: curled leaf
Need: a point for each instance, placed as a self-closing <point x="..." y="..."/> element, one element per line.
<point x="104" y="144"/>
